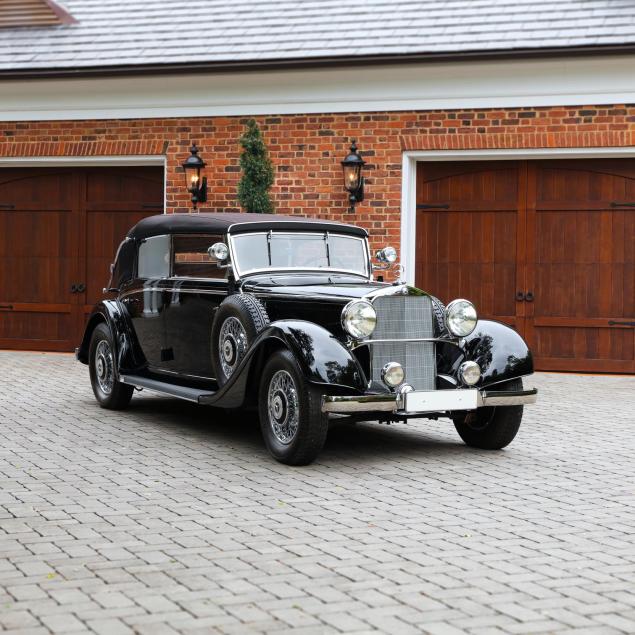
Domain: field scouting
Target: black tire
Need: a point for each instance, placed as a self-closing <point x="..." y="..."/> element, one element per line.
<point x="252" y="317"/>
<point x="491" y="428"/>
<point x="109" y="392"/>
<point x="306" y="439"/>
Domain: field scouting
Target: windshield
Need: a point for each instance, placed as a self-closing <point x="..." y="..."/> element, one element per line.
<point x="280" y="250"/>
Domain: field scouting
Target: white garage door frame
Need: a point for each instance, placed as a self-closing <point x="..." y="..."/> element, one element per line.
<point x="411" y="158"/>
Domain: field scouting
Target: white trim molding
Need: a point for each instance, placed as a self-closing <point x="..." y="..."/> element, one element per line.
<point x="409" y="182"/>
<point x="112" y="161"/>
<point x="591" y="80"/>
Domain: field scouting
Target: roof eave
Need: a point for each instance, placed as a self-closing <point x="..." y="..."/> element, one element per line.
<point x="315" y="62"/>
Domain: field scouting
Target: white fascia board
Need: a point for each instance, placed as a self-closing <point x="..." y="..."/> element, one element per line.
<point x="449" y="85"/>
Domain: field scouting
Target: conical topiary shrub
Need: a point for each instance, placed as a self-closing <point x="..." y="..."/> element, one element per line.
<point x="257" y="178"/>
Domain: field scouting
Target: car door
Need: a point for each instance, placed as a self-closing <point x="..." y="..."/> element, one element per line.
<point x="197" y="287"/>
<point x="145" y="299"/>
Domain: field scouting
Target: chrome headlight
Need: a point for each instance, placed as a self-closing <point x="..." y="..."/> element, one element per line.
<point x="461" y="317"/>
<point x="359" y="318"/>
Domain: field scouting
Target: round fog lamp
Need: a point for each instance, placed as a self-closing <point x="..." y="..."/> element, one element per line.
<point x="359" y="318"/>
<point x="470" y="373"/>
<point x="392" y="374"/>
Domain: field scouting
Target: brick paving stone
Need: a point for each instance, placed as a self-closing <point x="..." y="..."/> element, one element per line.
<point x="168" y="518"/>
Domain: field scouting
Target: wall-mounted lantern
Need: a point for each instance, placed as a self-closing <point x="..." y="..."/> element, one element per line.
<point x="195" y="185"/>
<point x="353" y="180"/>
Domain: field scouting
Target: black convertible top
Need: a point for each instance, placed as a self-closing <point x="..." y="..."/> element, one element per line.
<point x="222" y="223"/>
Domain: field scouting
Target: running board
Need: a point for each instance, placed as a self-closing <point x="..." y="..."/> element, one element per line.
<point x="182" y="392"/>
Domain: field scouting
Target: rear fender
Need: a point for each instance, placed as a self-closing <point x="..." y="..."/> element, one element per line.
<point x="111" y="313"/>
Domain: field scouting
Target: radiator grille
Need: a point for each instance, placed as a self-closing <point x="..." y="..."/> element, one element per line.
<point x="401" y="317"/>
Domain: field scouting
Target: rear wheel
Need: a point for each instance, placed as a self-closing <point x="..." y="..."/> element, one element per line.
<point x="109" y="392"/>
<point x="491" y="428"/>
<point x="293" y="425"/>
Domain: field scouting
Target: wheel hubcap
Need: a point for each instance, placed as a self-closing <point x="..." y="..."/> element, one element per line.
<point x="232" y="345"/>
<point x="283" y="406"/>
<point x="104" y="367"/>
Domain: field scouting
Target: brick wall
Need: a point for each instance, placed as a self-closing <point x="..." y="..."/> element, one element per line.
<point x="307" y="149"/>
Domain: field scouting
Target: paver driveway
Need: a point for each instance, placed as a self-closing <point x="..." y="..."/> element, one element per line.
<point x="172" y="518"/>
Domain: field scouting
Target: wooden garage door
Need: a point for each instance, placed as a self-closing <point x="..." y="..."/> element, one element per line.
<point x="59" y="229"/>
<point x="545" y="246"/>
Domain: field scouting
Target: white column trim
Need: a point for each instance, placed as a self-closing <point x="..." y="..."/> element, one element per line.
<point x="409" y="181"/>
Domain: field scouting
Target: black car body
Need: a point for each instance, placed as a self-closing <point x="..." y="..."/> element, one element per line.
<point x="283" y="313"/>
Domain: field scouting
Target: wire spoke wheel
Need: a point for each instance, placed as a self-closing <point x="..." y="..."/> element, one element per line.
<point x="232" y="345"/>
<point x="104" y="367"/>
<point x="283" y="407"/>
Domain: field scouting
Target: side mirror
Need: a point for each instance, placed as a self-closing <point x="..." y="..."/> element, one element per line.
<point x="219" y="251"/>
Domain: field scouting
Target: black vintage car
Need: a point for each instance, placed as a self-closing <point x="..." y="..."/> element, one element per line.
<point x="283" y="314"/>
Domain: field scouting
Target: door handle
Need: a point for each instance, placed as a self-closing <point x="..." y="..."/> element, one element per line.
<point x="529" y="296"/>
<point x="620" y="204"/>
<point x="81" y="287"/>
<point x="73" y="288"/>
<point x="6" y="307"/>
<point x="520" y="296"/>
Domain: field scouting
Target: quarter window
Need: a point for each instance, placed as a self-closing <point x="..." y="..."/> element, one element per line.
<point x="154" y="257"/>
<point x="192" y="258"/>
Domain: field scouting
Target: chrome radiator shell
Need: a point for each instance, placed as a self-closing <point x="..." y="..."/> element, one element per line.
<point x="399" y="318"/>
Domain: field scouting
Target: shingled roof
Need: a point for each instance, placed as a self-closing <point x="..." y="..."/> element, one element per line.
<point x="120" y="34"/>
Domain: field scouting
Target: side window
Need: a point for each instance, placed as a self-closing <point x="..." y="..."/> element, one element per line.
<point x="154" y="257"/>
<point x="191" y="258"/>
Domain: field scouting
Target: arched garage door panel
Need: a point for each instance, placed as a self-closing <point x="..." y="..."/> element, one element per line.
<point x="560" y="233"/>
<point x="467" y="220"/>
<point x="581" y="255"/>
<point x="60" y="227"/>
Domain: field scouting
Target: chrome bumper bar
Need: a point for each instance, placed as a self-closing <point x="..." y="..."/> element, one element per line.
<point x="423" y="401"/>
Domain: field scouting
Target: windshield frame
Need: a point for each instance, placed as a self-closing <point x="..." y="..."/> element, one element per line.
<point x="238" y="274"/>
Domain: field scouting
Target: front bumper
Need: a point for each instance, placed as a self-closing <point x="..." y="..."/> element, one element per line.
<point x="426" y="401"/>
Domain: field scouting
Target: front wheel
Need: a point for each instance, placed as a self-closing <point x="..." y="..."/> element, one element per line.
<point x="491" y="428"/>
<point x="109" y="392"/>
<point x="291" y="419"/>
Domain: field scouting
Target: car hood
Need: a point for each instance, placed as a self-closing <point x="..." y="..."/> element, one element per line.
<point x="325" y="287"/>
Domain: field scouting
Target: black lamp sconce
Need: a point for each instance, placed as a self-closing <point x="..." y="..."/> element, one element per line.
<point x="353" y="180"/>
<point x="195" y="185"/>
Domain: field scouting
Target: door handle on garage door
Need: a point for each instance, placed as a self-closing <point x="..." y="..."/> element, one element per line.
<point x="520" y="296"/>
<point x="529" y="296"/>
<point x="618" y="204"/>
<point x="616" y="323"/>
<point x="6" y="307"/>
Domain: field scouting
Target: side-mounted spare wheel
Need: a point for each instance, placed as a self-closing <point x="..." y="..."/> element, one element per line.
<point x="293" y="425"/>
<point x="109" y="392"/>
<point x="491" y="428"/>
<point x="238" y="321"/>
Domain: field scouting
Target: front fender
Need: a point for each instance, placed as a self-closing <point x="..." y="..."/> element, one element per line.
<point x="500" y="351"/>
<point x="113" y="315"/>
<point x="322" y="358"/>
